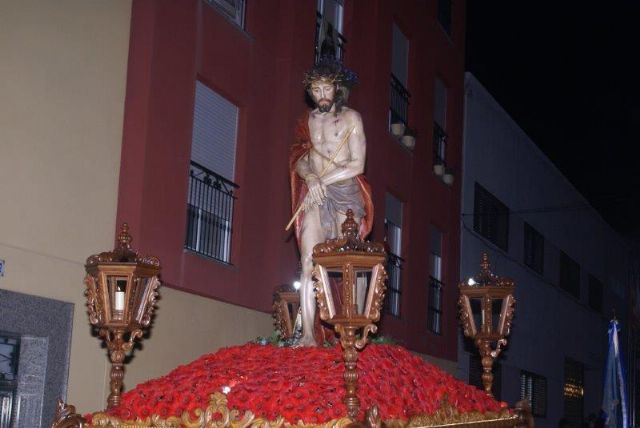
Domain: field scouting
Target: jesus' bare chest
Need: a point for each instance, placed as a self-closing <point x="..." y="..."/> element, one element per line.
<point x="327" y="134"/>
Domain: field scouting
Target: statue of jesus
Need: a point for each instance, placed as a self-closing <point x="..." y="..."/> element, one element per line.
<point x="326" y="164"/>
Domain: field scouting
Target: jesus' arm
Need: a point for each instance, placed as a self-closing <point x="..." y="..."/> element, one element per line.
<point x="316" y="187"/>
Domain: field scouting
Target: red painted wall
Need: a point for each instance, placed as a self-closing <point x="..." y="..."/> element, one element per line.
<point x="174" y="43"/>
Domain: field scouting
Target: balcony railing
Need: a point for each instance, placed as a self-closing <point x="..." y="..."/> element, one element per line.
<point x="394" y="270"/>
<point x="209" y="213"/>
<point x="332" y="44"/>
<point x="399" y="103"/>
<point x="439" y="145"/>
<point x="434" y="308"/>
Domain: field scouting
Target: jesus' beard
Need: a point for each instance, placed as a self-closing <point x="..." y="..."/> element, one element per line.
<point x="324" y="105"/>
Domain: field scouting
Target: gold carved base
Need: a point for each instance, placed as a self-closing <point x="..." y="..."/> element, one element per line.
<point x="66" y="417"/>
<point x="218" y="415"/>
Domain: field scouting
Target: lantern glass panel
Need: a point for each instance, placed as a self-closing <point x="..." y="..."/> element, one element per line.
<point x="293" y="309"/>
<point x="141" y="289"/>
<point x="335" y="285"/>
<point x="118" y="294"/>
<point x="476" y="312"/>
<point x="361" y="289"/>
<point x="328" y="279"/>
<point x="496" y="309"/>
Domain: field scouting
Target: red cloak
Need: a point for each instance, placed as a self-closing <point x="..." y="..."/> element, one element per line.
<point x="300" y="147"/>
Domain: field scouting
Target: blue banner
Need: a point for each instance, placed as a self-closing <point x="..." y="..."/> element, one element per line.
<point x="614" y="398"/>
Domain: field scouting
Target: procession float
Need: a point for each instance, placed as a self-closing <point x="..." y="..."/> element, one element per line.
<point x="321" y="369"/>
<point x="273" y="383"/>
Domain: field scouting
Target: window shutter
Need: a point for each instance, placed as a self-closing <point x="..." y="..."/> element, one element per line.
<point x="393" y="210"/>
<point x="491" y="217"/>
<point x="440" y="108"/>
<point x="400" y="56"/>
<point x="215" y="123"/>
<point x="539" y="396"/>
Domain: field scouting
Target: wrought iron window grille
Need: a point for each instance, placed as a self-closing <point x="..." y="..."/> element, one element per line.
<point x="394" y="292"/>
<point x="434" y="308"/>
<point x="399" y="102"/>
<point x="210" y="213"/>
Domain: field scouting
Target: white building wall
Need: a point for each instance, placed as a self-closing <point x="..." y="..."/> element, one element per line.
<point x="63" y="70"/>
<point x="62" y="88"/>
<point x="550" y="324"/>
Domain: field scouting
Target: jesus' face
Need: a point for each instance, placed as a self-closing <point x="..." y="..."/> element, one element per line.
<point x="323" y="93"/>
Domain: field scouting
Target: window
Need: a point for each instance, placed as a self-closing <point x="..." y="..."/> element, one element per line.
<point x="440" y="104"/>
<point x="439" y="123"/>
<point x="399" y="105"/>
<point x="439" y="145"/>
<point x="393" y="230"/>
<point x="596" y="290"/>
<point x="533" y="248"/>
<point x="434" y="305"/>
<point x="329" y="38"/>
<point x="573" y="391"/>
<point x="491" y="217"/>
<point x="534" y="388"/>
<point x="400" y="55"/>
<point x="475" y="374"/>
<point x="9" y="353"/>
<point x="232" y="9"/>
<point x="569" y="275"/>
<point x="444" y="15"/>
<point x="211" y="189"/>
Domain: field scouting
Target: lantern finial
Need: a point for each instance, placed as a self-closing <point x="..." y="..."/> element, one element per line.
<point x="124" y="239"/>
<point x="485" y="266"/>
<point x="349" y="226"/>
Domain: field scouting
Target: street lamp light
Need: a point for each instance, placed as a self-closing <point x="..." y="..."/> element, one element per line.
<point x="121" y="294"/>
<point x="356" y="268"/>
<point x="486" y="310"/>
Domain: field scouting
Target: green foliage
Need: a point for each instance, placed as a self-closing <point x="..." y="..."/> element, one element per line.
<point x="276" y="340"/>
<point x="383" y="340"/>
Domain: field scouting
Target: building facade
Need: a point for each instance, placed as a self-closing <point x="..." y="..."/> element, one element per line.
<point x="571" y="269"/>
<point x="177" y="117"/>
<point x="189" y="59"/>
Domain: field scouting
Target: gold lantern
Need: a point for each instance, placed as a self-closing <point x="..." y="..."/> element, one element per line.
<point x="350" y="280"/>
<point x="121" y="294"/>
<point x="486" y="310"/>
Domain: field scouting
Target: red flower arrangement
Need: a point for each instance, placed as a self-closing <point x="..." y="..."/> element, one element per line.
<point x="304" y="384"/>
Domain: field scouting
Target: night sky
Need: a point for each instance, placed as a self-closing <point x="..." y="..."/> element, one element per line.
<point x="566" y="73"/>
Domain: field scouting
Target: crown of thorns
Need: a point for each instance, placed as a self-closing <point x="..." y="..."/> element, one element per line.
<point x="331" y="70"/>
